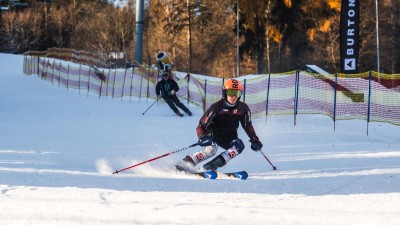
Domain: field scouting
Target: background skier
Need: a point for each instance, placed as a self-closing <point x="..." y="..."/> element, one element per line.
<point x="167" y="88"/>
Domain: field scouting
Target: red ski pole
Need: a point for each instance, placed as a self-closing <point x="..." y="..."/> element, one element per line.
<point x="273" y="167"/>
<point x="155" y="158"/>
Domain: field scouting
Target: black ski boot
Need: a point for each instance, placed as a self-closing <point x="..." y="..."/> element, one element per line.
<point x="186" y="164"/>
<point x="214" y="164"/>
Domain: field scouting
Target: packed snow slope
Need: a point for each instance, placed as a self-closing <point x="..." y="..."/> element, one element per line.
<point x="59" y="147"/>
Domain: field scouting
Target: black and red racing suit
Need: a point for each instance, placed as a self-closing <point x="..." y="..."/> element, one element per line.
<point x="221" y="121"/>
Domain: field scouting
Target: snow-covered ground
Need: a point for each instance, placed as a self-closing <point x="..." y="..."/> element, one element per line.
<point x="58" y="148"/>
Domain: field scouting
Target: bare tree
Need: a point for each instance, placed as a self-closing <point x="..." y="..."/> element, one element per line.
<point x="20" y="31"/>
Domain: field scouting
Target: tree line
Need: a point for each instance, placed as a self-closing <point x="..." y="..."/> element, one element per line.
<point x="202" y="36"/>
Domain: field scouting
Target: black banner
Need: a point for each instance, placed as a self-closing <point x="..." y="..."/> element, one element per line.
<point x="349" y="35"/>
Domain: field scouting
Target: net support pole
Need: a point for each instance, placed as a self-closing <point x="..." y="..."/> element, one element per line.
<point x="369" y="99"/>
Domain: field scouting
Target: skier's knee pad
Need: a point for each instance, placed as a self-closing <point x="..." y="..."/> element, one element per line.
<point x="238" y="144"/>
<point x="237" y="147"/>
<point x="211" y="149"/>
<point x="208" y="152"/>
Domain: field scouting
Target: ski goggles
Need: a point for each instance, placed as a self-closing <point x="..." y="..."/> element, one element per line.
<point x="232" y="93"/>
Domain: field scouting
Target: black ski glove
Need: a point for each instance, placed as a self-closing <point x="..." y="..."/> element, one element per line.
<point x="256" y="144"/>
<point x="205" y="141"/>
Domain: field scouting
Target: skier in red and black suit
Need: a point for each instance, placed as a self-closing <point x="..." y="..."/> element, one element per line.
<point x="218" y="127"/>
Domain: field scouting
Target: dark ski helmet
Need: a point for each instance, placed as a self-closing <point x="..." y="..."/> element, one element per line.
<point x="165" y="74"/>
